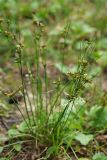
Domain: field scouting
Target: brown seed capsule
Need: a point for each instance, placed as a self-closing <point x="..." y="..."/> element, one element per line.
<point x="21" y="45"/>
<point x="85" y="75"/>
<point x="18" y="48"/>
<point x="6" y="33"/>
<point x="85" y="63"/>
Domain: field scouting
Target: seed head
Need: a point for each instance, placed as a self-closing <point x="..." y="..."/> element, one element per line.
<point x="7" y="33"/>
<point x="85" y="63"/>
<point x="18" y="48"/>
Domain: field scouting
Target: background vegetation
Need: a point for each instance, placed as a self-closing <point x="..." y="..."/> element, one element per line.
<point x="53" y="82"/>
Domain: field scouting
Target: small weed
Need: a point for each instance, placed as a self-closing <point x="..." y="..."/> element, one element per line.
<point x="51" y="106"/>
<point x="46" y="125"/>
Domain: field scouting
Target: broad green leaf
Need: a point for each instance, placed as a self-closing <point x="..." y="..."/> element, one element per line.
<point x="83" y="138"/>
<point x="23" y="127"/>
<point x="62" y="68"/>
<point x="98" y="117"/>
<point x="102" y="44"/>
<point x="13" y="133"/>
<point x="103" y="60"/>
<point x="51" y="150"/>
<point x="65" y="69"/>
<point x="93" y="111"/>
<point x="1" y="149"/>
<point x="34" y="5"/>
<point x="82" y="28"/>
<point x="17" y="147"/>
<point x="96" y="71"/>
<point x="26" y="32"/>
<point x="75" y="106"/>
<point x="69" y="137"/>
<point x="99" y="156"/>
<point x="81" y="45"/>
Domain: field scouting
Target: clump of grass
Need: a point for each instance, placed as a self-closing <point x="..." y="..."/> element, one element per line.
<point x="46" y="125"/>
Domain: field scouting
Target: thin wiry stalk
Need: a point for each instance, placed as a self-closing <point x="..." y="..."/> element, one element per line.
<point x="46" y="88"/>
<point x="3" y="124"/>
<point x="58" y="96"/>
<point x="40" y="88"/>
<point x="79" y="81"/>
<point x="27" y="96"/>
<point x="37" y="40"/>
<point x="76" y="88"/>
<point x="22" y="115"/>
<point x="22" y="135"/>
<point x="8" y="145"/>
<point x="64" y="34"/>
<point x="19" y="51"/>
<point x="37" y="67"/>
<point x="45" y="79"/>
<point x="32" y="81"/>
<point x="75" y="95"/>
<point x="30" y="104"/>
<point x="23" y="86"/>
<point x="12" y="97"/>
<point x="10" y="153"/>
